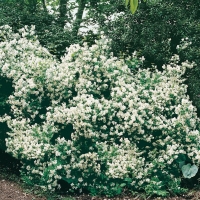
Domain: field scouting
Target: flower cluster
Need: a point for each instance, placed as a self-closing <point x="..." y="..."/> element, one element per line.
<point x="92" y="122"/>
<point x="184" y="44"/>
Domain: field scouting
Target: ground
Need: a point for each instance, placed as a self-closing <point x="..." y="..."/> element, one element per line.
<point x="11" y="187"/>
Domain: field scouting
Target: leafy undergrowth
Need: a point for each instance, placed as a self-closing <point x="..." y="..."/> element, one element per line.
<point x="9" y="173"/>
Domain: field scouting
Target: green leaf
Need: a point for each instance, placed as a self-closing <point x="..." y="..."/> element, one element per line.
<point x="189" y="171"/>
<point x="123" y="185"/>
<point x="181" y="163"/>
<point x="181" y="157"/>
<point x="129" y="180"/>
<point x="162" y="193"/>
<point x="133" y="5"/>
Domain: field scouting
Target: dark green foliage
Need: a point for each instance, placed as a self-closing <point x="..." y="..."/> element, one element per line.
<point x="48" y="29"/>
<point x="9" y="165"/>
<point x="5" y="90"/>
<point x="155" y="30"/>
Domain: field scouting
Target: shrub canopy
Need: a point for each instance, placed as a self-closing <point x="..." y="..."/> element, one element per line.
<point x="96" y="121"/>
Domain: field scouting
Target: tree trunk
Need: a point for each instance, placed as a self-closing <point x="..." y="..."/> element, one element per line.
<point x="63" y="11"/>
<point x="79" y="17"/>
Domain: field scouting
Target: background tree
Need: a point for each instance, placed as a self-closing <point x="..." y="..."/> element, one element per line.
<point x="50" y="19"/>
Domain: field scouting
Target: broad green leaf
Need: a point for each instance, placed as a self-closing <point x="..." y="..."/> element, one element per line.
<point x="189" y="171"/>
<point x="133" y="5"/>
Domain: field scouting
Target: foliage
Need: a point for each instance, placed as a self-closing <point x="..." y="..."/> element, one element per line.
<point x="48" y="28"/>
<point x="50" y="34"/>
<point x="96" y="121"/>
<point x="155" y="30"/>
<point x="133" y="5"/>
<point x="5" y="90"/>
<point x="189" y="171"/>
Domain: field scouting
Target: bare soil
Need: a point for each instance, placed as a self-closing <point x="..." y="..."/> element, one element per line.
<point x="11" y="187"/>
<point x="11" y="190"/>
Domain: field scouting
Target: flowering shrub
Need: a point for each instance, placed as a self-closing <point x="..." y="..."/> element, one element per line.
<point x="95" y="121"/>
